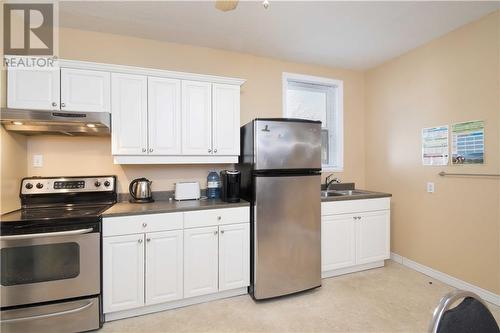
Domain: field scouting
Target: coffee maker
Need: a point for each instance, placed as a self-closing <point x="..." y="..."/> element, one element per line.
<point x="230" y="185"/>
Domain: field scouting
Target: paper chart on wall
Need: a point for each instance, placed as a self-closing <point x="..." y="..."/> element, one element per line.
<point x="468" y="142"/>
<point x="435" y="145"/>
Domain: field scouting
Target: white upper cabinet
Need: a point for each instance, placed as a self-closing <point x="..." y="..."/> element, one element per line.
<point x="33" y="89"/>
<point x="196" y="118"/>
<point x="226" y="119"/>
<point x="85" y="90"/>
<point x="164" y="116"/>
<point x="234" y="256"/>
<point x="164" y="266"/>
<point x="129" y="114"/>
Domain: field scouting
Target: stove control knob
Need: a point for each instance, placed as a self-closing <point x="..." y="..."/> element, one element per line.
<point x="29" y="186"/>
<point x="97" y="183"/>
<point x="39" y="185"/>
<point x="107" y="183"/>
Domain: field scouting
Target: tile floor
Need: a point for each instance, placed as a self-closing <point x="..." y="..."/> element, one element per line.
<point x="389" y="299"/>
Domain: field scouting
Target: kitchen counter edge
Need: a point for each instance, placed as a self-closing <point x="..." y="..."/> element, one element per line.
<point x="125" y="208"/>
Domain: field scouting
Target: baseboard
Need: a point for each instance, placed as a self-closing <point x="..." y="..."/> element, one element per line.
<point x="448" y="279"/>
<point x="174" y="304"/>
<point x="352" y="269"/>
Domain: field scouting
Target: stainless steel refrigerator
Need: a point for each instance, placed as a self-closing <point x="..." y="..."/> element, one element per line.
<point x="280" y="166"/>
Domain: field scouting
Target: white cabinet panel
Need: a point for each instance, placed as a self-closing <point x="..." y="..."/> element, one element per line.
<point x="123" y="272"/>
<point x="234" y="256"/>
<point x="226" y="119"/>
<point x="33" y="89"/>
<point x="200" y="261"/>
<point x="129" y="114"/>
<point x="338" y="241"/>
<point x="372" y="237"/>
<point x="85" y="90"/>
<point x="196" y="118"/>
<point x="164" y="266"/>
<point x="164" y="116"/>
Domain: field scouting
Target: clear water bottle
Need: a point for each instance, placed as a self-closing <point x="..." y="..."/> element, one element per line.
<point x="213" y="187"/>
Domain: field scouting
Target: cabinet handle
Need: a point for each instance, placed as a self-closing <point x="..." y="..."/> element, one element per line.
<point x="219" y="218"/>
<point x="143" y="150"/>
<point x="222" y="231"/>
<point x="215" y="232"/>
<point x="144" y="225"/>
<point x="209" y="150"/>
<point x="54" y="104"/>
<point x="139" y="240"/>
<point x="215" y="151"/>
<point x="63" y="105"/>
<point x="150" y="150"/>
<point x="148" y="239"/>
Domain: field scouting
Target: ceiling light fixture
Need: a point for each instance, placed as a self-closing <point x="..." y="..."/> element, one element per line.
<point x="265" y="3"/>
<point x="17" y="123"/>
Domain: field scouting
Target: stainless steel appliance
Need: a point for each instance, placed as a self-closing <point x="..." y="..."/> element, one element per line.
<point x="230" y="185"/>
<point x="50" y="252"/>
<point x="140" y="190"/>
<point x="280" y="166"/>
<point x="56" y="122"/>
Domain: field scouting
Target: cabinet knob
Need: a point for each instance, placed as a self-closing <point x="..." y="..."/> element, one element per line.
<point x="150" y="150"/>
<point x="215" y="232"/>
<point x="144" y="225"/>
<point x="219" y="218"/>
<point x="54" y="104"/>
<point x="143" y="150"/>
<point x="63" y="105"/>
<point x="139" y="240"/>
<point x="222" y="231"/>
<point x="215" y="150"/>
<point x="209" y="150"/>
<point x="148" y="239"/>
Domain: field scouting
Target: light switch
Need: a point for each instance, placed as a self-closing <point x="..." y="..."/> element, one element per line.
<point x="430" y="187"/>
<point x="38" y="161"/>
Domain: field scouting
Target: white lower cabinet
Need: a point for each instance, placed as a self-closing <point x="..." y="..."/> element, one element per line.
<point x="123" y="272"/>
<point x="201" y="261"/>
<point x="147" y="264"/>
<point x="355" y="235"/>
<point x="164" y="266"/>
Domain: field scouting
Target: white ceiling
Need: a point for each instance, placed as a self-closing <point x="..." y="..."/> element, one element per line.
<point x="355" y="35"/>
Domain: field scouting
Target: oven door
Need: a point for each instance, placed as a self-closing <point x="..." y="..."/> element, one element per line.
<point x="49" y="266"/>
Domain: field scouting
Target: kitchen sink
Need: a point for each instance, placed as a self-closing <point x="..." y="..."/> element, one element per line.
<point x="339" y="193"/>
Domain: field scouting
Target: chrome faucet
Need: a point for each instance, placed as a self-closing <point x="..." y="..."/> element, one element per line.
<point x="329" y="181"/>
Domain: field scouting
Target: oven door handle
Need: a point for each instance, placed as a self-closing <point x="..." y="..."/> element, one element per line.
<point x="47" y="234"/>
<point x="48" y="315"/>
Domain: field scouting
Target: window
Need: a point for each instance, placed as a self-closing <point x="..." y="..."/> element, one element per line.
<point x="316" y="98"/>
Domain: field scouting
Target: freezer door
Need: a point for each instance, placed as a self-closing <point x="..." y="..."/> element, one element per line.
<point x="287" y="145"/>
<point x="287" y="235"/>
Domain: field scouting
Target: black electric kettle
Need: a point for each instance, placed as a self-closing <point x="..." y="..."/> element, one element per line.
<point x="140" y="190"/>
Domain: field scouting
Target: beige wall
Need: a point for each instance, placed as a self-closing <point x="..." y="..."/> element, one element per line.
<point x="260" y="97"/>
<point x="455" y="78"/>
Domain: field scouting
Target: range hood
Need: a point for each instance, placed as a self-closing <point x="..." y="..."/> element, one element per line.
<point x="31" y="122"/>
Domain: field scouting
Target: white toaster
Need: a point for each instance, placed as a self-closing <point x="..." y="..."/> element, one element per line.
<point x="187" y="191"/>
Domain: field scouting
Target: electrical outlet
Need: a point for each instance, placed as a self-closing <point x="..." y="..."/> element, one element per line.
<point x="38" y="161"/>
<point x="430" y="188"/>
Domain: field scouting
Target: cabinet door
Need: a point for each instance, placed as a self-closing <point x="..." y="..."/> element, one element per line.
<point x="123" y="272"/>
<point x="338" y="241"/>
<point x="85" y="90"/>
<point x="129" y="114"/>
<point x="226" y="119"/>
<point x="200" y="261"/>
<point x="164" y="116"/>
<point x="373" y="237"/>
<point x="196" y="118"/>
<point x="33" y="89"/>
<point x="164" y="266"/>
<point x="234" y="256"/>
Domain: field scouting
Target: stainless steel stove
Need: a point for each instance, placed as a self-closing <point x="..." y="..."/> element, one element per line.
<point x="50" y="252"/>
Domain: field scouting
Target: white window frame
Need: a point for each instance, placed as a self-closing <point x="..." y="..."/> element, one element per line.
<point x="338" y="129"/>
